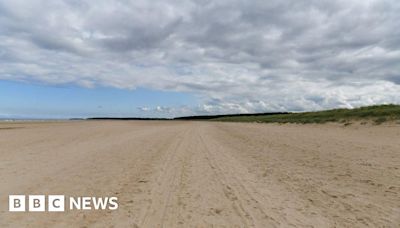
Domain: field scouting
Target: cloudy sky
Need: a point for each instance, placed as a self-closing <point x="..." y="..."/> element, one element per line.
<point x="184" y="57"/>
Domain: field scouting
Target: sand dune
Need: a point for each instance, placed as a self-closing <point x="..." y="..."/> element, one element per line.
<point x="204" y="174"/>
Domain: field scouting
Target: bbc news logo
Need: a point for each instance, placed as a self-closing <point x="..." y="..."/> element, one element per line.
<point x="58" y="203"/>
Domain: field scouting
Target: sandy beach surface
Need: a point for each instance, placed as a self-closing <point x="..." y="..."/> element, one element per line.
<point x="204" y="174"/>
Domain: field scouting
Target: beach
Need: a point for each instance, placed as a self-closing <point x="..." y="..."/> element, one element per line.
<point x="204" y="174"/>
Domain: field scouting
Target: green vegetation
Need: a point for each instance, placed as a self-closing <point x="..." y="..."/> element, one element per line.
<point x="377" y="114"/>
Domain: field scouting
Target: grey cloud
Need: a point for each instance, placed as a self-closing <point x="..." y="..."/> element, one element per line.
<point x="233" y="55"/>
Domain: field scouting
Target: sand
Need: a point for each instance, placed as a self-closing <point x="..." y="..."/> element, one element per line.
<point x="204" y="174"/>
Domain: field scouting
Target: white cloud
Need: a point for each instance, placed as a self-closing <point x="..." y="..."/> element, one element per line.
<point x="236" y="56"/>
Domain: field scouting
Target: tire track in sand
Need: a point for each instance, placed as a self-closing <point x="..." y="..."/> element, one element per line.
<point x="244" y="202"/>
<point x="164" y="185"/>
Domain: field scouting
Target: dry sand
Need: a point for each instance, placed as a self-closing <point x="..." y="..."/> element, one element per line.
<point x="203" y="174"/>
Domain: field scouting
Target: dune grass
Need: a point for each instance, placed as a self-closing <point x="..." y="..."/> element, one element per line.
<point x="377" y="114"/>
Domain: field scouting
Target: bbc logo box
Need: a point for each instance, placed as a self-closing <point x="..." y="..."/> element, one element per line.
<point x="36" y="203"/>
